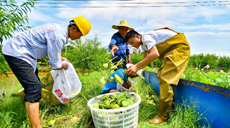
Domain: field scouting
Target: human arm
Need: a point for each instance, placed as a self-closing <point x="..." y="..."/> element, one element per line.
<point x="128" y="53"/>
<point x="64" y="66"/>
<point x="145" y="53"/>
<point x="114" y="49"/>
<point x="153" y="54"/>
<point x="112" y="45"/>
<point x="54" y="48"/>
<point x="129" y="59"/>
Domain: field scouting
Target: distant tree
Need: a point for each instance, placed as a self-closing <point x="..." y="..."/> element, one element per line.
<point x="136" y="57"/>
<point x="86" y="55"/>
<point x="12" y="18"/>
<point x="224" y="63"/>
<point x="211" y="60"/>
<point x="196" y="61"/>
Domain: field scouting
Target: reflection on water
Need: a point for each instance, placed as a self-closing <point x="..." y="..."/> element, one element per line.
<point x="11" y="81"/>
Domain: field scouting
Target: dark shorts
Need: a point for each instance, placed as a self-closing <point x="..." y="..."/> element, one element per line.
<point x="107" y="91"/>
<point x="27" y="77"/>
<point x="123" y="66"/>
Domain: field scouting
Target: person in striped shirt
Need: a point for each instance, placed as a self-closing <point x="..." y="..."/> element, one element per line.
<point x="23" y="51"/>
<point x="119" y="48"/>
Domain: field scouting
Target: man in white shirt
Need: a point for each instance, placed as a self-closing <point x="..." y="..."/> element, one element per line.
<point x="173" y="48"/>
<point x="22" y="52"/>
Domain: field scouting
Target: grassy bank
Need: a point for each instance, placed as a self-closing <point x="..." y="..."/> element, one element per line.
<point x="76" y="114"/>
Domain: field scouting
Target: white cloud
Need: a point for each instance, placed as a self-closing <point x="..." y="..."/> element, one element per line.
<point x="200" y="19"/>
<point x="207" y="27"/>
<point x="226" y="34"/>
<point x="154" y="17"/>
<point x="35" y="15"/>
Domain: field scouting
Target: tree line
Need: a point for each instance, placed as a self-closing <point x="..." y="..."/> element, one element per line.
<point x="199" y="61"/>
<point x="88" y="55"/>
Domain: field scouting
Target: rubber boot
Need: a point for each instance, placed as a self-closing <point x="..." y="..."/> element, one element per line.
<point x="162" y="114"/>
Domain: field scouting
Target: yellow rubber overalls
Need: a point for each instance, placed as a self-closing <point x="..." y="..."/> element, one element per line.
<point x="175" y="54"/>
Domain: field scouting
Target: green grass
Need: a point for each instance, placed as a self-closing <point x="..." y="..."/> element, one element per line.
<point x="76" y="113"/>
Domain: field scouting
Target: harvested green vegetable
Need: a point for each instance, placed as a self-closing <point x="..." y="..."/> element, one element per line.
<point x="114" y="101"/>
<point x="110" y="69"/>
<point x="102" y="80"/>
<point x="106" y="65"/>
<point x="104" y="97"/>
<point x="118" y="79"/>
<point x="51" y="122"/>
<point x="113" y="67"/>
<point x="110" y="79"/>
<point x="96" y="105"/>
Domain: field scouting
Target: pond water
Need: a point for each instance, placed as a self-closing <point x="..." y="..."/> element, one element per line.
<point x="12" y="81"/>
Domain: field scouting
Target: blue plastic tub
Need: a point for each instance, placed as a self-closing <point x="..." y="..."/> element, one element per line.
<point x="211" y="101"/>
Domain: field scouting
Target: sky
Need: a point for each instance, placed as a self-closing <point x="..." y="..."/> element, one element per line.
<point x="205" y="23"/>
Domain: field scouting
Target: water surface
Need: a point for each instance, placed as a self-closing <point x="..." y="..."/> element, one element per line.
<point x="12" y="81"/>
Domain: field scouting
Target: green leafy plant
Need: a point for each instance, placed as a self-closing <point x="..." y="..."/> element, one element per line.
<point x="86" y="55"/>
<point x="203" y="75"/>
<point x="12" y="19"/>
<point x="110" y="67"/>
<point x="114" y="101"/>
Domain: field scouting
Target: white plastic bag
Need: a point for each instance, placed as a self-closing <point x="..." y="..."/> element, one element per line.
<point x="66" y="83"/>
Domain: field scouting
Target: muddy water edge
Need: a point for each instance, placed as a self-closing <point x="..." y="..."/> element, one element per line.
<point x="7" y="83"/>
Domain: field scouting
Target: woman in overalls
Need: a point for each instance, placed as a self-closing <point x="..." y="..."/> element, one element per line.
<point x="169" y="46"/>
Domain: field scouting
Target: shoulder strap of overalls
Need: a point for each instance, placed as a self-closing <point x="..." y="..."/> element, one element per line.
<point x="167" y="28"/>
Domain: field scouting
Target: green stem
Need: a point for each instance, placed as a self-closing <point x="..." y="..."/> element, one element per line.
<point x="121" y="74"/>
<point x="61" y="118"/>
<point x="84" y="97"/>
<point x="112" y="59"/>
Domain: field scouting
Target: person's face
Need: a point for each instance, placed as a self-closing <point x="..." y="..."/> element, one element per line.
<point x="135" y="42"/>
<point x="123" y="30"/>
<point x="73" y="34"/>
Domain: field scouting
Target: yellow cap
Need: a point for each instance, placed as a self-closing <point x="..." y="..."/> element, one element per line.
<point x="83" y="24"/>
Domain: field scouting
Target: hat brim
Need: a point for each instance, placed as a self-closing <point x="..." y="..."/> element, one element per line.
<point x="116" y="27"/>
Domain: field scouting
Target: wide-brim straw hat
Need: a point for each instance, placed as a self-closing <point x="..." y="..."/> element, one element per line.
<point x="123" y="23"/>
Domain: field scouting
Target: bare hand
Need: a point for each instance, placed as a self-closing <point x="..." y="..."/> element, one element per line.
<point x="65" y="66"/>
<point x="132" y="75"/>
<point x="114" y="49"/>
<point x="132" y="70"/>
<point x="64" y="59"/>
